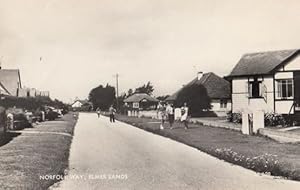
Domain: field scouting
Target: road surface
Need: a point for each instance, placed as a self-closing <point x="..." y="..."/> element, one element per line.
<point x="108" y="155"/>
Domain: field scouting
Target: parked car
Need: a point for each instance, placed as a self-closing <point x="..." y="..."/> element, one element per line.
<point x="50" y="113"/>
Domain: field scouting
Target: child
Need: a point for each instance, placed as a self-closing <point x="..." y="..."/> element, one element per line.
<point x="98" y="112"/>
<point x="170" y="112"/>
<point x="184" y="115"/>
<point x="161" y="113"/>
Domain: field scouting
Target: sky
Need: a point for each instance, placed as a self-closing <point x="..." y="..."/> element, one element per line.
<point x="71" y="46"/>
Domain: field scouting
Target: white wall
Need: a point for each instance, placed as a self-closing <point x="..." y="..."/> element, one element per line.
<point x="148" y="113"/>
<point x="76" y="105"/>
<point x="293" y="65"/>
<point x="241" y="102"/>
<point x="283" y="107"/>
<point x="216" y="106"/>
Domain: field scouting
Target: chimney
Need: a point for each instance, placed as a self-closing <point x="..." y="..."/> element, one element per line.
<point x="199" y="75"/>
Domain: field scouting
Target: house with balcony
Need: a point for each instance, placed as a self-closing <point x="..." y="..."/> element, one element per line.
<point x="267" y="81"/>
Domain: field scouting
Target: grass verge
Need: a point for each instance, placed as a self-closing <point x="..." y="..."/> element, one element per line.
<point x="257" y="153"/>
<point x="27" y="156"/>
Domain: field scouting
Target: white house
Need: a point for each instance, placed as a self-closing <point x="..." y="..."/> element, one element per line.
<point x="82" y="105"/>
<point x="79" y="103"/>
<point x="267" y="81"/>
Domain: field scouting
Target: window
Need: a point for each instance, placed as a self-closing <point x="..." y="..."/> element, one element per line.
<point x="254" y="89"/>
<point x="135" y="105"/>
<point x="223" y="103"/>
<point x="285" y="88"/>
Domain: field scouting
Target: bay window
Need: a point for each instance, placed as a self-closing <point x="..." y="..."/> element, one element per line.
<point x="285" y="88"/>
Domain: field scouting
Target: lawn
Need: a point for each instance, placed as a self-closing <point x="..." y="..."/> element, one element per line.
<point x="257" y="153"/>
<point x="27" y="156"/>
<point x="295" y="131"/>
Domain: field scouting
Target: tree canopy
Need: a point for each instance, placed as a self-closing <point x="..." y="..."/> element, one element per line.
<point x="102" y="97"/>
<point x="163" y="97"/>
<point x="31" y="103"/>
<point x="146" y="88"/>
<point x="196" y="98"/>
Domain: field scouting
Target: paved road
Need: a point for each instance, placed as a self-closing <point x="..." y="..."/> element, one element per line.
<point x="119" y="156"/>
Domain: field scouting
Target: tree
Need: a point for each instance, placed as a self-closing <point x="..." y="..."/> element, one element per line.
<point x="130" y="92"/>
<point x="196" y="98"/>
<point x="102" y="97"/>
<point x="162" y="98"/>
<point x="121" y="102"/>
<point x="146" y="88"/>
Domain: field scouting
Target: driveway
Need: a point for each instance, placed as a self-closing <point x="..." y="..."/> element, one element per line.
<point x="108" y="155"/>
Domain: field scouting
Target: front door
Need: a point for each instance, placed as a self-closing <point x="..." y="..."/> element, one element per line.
<point x="297" y="90"/>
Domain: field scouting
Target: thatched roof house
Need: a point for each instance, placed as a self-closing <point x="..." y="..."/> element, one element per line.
<point x="141" y="101"/>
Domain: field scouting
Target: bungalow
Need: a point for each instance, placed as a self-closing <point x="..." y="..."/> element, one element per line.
<point x="218" y="89"/>
<point x="267" y="81"/>
<point x="81" y="105"/>
<point x="141" y="101"/>
<point x="10" y="82"/>
<point x="141" y="104"/>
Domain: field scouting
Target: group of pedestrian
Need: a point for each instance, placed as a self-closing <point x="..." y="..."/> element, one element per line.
<point x="164" y="113"/>
<point x="168" y="113"/>
<point x="112" y="112"/>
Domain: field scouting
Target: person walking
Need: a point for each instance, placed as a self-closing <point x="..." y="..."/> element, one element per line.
<point x="184" y="115"/>
<point x="112" y="112"/>
<point x="161" y="110"/>
<point x="98" y="110"/>
<point x="170" y="112"/>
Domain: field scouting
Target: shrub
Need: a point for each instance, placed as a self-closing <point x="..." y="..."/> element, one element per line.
<point x="51" y="115"/>
<point x="273" y="119"/>
<point x="229" y="116"/>
<point x="234" y="117"/>
<point x="237" y="117"/>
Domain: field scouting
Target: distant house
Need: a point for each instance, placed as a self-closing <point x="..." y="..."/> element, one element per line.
<point x="32" y="92"/>
<point x="268" y="81"/>
<point x="80" y="104"/>
<point x="10" y="82"/>
<point x="141" y="101"/>
<point x="27" y="92"/>
<point x="218" y="89"/>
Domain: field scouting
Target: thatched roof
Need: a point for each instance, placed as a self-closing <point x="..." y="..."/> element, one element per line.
<point x="261" y="63"/>
<point x="217" y="87"/>
<point x="139" y="97"/>
<point x="10" y="79"/>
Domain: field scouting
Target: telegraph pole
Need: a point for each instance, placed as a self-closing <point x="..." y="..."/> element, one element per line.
<point x="117" y="89"/>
